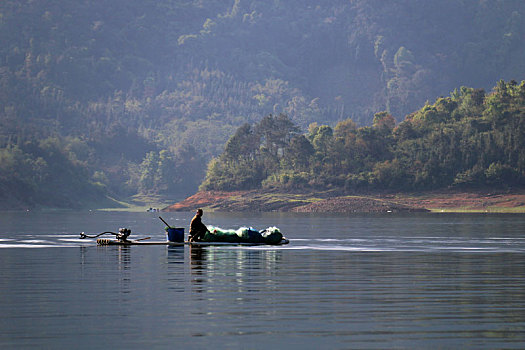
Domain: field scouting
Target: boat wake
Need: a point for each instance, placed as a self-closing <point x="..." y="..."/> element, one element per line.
<point x="44" y="241"/>
<point x="376" y="244"/>
<point x="409" y="244"/>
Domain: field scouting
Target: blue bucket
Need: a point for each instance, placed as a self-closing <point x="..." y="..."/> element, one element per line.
<point x="176" y="234"/>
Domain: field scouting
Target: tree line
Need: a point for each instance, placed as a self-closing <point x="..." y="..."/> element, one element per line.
<point x="470" y="139"/>
<point x="138" y="96"/>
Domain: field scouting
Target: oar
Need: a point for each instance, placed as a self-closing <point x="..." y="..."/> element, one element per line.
<point x="142" y="239"/>
<point x="165" y="222"/>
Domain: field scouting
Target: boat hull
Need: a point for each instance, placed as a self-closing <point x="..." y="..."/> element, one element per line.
<point x="106" y="241"/>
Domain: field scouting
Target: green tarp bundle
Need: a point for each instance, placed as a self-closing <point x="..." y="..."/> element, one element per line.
<point x="271" y="235"/>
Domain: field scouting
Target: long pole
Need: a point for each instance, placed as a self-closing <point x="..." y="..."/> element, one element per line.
<point x="165" y="222"/>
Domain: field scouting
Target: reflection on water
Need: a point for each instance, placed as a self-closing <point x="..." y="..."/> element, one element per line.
<point x="175" y="254"/>
<point x="371" y="281"/>
<point x="124" y="257"/>
<point x="197" y="267"/>
<point x="197" y="258"/>
<point x="230" y="267"/>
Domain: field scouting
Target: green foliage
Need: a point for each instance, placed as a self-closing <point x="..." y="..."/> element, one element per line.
<point x="403" y="57"/>
<point x="252" y="154"/>
<point x="45" y="174"/>
<point x="167" y="173"/>
<point x="119" y="83"/>
<point x="384" y="122"/>
<point x="467" y="140"/>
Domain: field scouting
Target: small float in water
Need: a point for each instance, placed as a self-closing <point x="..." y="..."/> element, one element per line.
<point x="216" y="236"/>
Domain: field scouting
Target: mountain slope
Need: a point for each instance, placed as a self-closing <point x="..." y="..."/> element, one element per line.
<point x="153" y="89"/>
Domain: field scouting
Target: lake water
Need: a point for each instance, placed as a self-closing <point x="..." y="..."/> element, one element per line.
<point x="391" y="281"/>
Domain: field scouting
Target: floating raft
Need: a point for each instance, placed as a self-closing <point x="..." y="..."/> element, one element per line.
<point x="107" y="241"/>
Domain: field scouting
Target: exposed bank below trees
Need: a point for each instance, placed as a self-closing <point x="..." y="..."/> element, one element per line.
<point x="330" y="201"/>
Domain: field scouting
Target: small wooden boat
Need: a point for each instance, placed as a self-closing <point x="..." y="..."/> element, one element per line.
<point x="108" y="241"/>
<point x="244" y="236"/>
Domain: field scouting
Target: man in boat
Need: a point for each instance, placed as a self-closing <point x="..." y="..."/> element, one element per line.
<point x="197" y="228"/>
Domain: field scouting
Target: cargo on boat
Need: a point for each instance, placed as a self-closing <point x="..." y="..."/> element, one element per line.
<point x="216" y="236"/>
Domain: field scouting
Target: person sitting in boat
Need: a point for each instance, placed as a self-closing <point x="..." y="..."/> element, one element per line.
<point x="197" y="228"/>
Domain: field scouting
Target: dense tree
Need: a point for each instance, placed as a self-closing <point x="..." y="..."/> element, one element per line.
<point x="468" y="140"/>
<point x="45" y="173"/>
<point x="130" y="80"/>
<point x="298" y="154"/>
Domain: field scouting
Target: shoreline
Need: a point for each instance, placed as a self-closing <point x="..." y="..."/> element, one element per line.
<point x="445" y="201"/>
<point x="331" y="201"/>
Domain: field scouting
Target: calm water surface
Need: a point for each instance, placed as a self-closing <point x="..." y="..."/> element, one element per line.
<point x="363" y="281"/>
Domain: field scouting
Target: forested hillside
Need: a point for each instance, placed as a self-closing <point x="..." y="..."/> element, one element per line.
<point x="470" y="139"/>
<point x="134" y="96"/>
